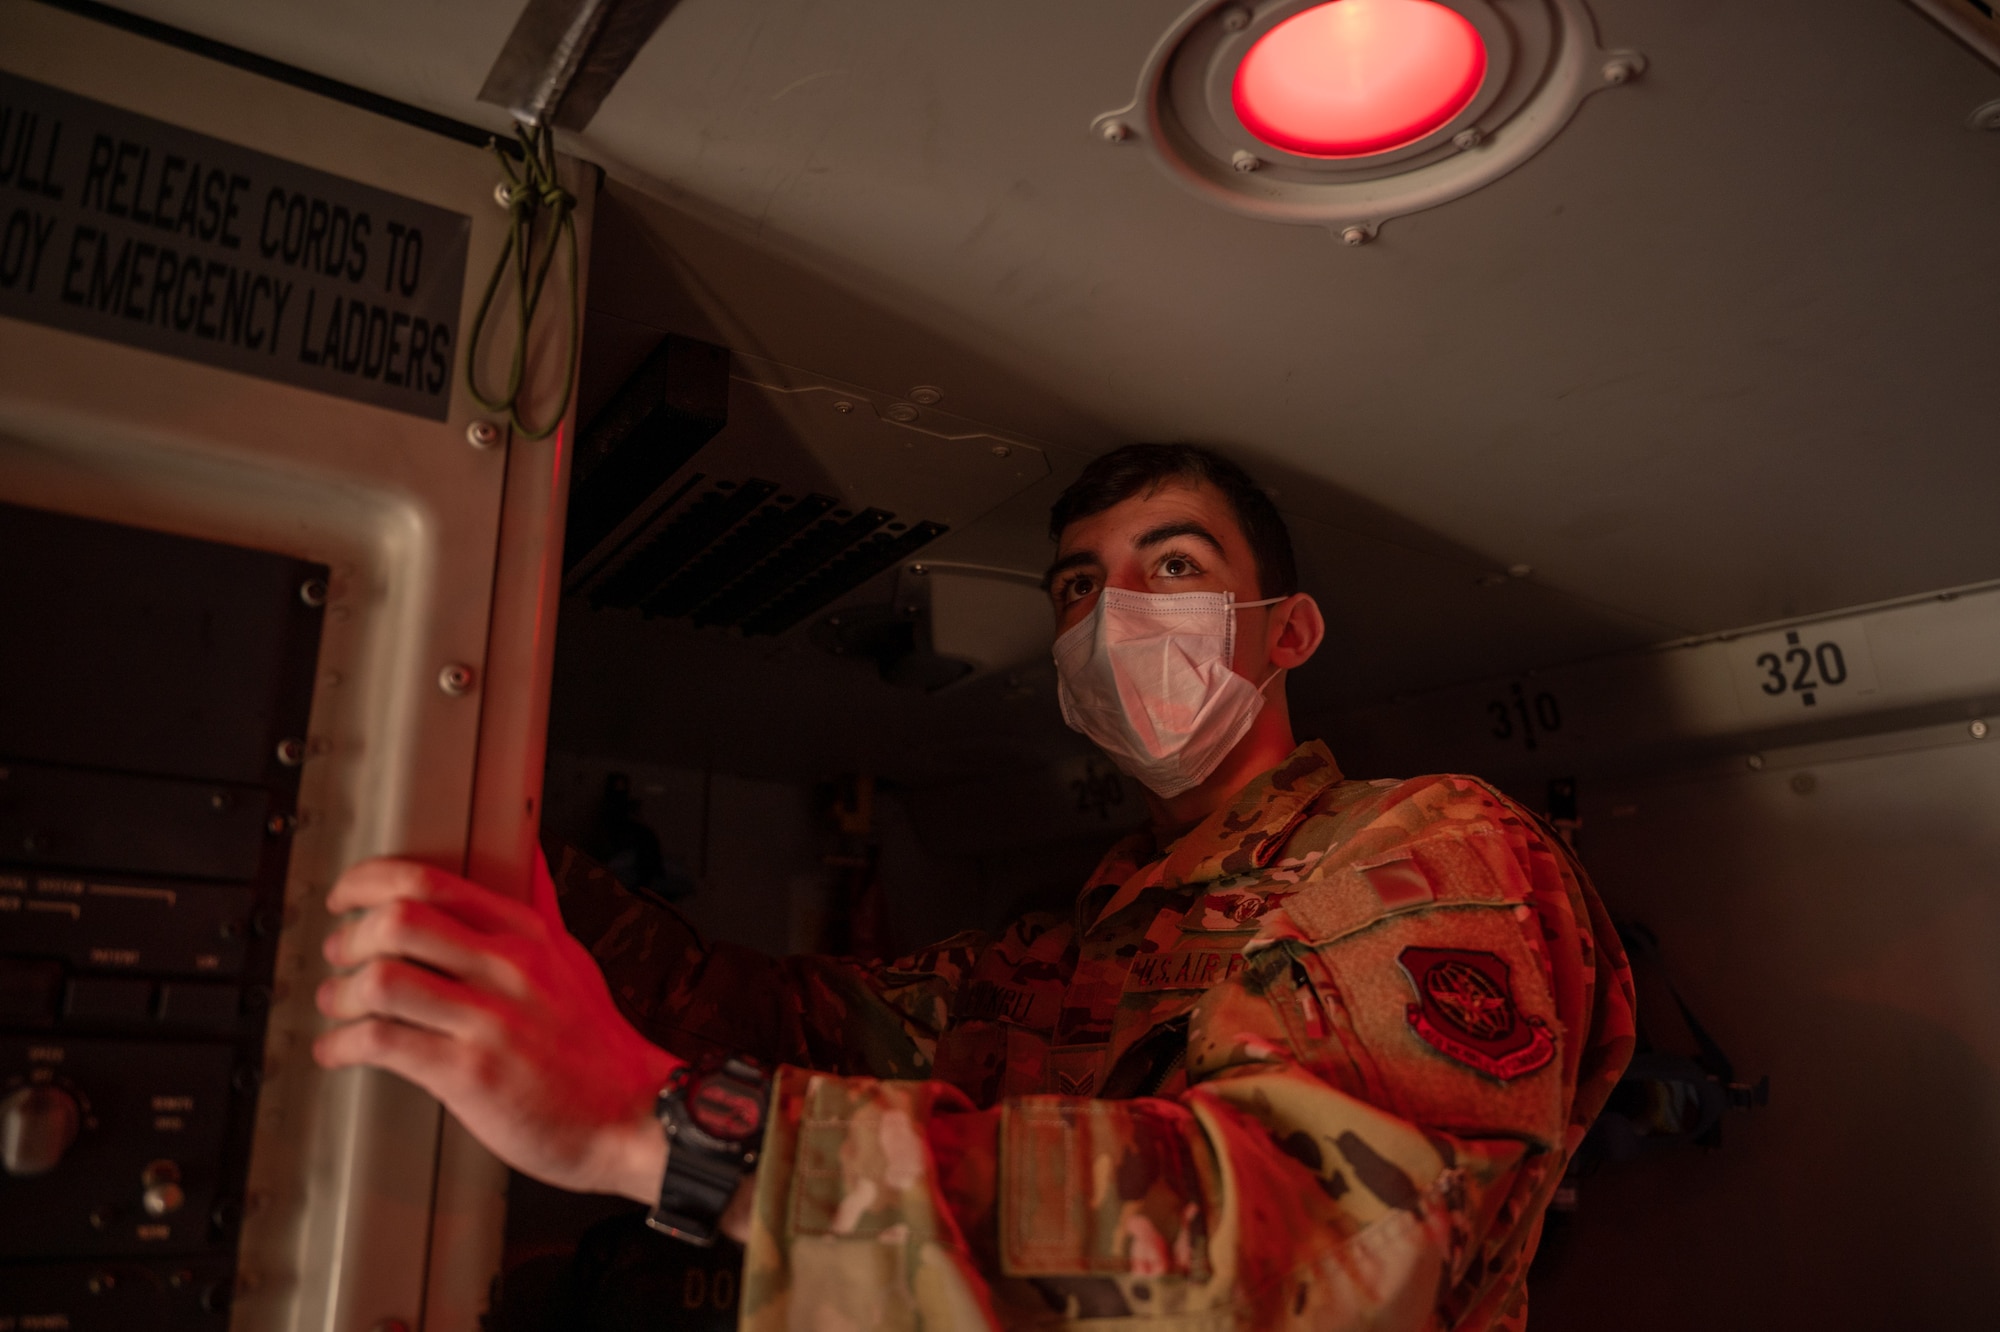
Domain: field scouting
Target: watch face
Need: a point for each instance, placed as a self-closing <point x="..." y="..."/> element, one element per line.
<point x="726" y="1110"/>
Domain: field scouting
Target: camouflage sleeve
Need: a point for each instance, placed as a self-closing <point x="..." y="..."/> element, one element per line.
<point x="882" y="1019"/>
<point x="1379" y="1106"/>
<point x="700" y="1000"/>
<point x="1444" y="1010"/>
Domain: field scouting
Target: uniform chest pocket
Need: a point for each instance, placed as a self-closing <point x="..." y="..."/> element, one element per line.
<point x="1149" y="1036"/>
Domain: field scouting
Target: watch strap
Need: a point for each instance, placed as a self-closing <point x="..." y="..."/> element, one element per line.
<point x="704" y="1169"/>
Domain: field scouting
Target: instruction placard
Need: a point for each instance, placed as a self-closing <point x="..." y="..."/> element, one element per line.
<point x="122" y="227"/>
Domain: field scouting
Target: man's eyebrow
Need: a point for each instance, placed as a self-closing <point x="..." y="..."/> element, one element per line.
<point x="1075" y="559"/>
<point x="1184" y="528"/>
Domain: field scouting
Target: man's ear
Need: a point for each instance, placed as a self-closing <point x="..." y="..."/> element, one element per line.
<point x="1297" y="629"/>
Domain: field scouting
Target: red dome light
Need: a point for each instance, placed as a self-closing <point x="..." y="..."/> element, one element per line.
<point x="1355" y="77"/>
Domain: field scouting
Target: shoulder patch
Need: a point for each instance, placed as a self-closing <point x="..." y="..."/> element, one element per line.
<point x="1465" y="1010"/>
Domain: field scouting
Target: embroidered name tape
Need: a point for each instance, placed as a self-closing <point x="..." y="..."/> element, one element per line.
<point x="1033" y="1007"/>
<point x="1185" y="969"/>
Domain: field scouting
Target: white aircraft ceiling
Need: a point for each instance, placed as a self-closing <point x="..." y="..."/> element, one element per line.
<point x="1722" y="353"/>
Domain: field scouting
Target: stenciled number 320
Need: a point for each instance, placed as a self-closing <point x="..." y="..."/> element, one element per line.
<point x="1827" y="656"/>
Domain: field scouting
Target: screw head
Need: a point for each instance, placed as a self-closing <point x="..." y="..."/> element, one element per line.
<point x="1001" y="450"/>
<point x="1756" y="762"/>
<point x="456" y="679"/>
<point x="901" y="411"/>
<point x="1804" y="783"/>
<point x="291" y="752"/>
<point x="1978" y="729"/>
<point x="1468" y="139"/>
<point x="1235" y="19"/>
<point x="1245" y="161"/>
<point x="920" y="569"/>
<point x="1622" y="69"/>
<point x="313" y="592"/>
<point x="1519" y="570"/>
<point x="503" y="194"/>
<point x="482" y="434"/>
<point x="1356" y="234"/>
<point x="927" y="394"/>
<point x="1115" y="131"/>
<point x="1985" y="116"/>
<point x="843" y="406"/>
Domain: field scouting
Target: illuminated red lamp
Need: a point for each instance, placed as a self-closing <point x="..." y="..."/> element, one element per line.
<point x="1357" y="77"/>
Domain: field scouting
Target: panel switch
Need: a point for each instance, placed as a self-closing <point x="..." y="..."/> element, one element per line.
<point x="37" y="1125"/>
<point x="163" y="1195"/>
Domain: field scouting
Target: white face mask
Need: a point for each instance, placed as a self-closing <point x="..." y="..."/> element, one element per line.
<point x="1147" y="678"/>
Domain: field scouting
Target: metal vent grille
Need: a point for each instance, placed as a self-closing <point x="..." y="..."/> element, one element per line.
<point x="744" y="555"/>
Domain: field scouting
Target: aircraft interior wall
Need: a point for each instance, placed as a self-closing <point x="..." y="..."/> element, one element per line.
<point x="1832" y="917"/>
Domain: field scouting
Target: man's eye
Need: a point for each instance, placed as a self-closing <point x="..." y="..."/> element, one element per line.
<point x="1178" y="566"/>
<point x="1075" y="589"/>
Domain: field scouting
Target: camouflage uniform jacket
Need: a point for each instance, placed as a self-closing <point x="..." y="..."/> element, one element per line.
<point x="1317" y="1063"/>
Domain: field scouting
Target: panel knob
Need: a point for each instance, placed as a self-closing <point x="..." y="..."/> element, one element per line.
<point x="163" y="1195"/>
<point x="37" y="1125"/>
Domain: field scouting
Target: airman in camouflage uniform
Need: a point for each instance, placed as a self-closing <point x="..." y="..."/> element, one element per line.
<point x="1316" y="1062"/>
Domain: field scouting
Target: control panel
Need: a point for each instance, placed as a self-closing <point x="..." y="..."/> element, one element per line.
<point x="153" y="710"/>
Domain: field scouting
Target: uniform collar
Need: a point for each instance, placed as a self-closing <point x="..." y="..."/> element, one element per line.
<point x="1250" y="830"/>
<point x="1246" y="834"/>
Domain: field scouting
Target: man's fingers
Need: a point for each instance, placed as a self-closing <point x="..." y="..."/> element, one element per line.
<point x="370" y="883"/>
<point x="423" y="932"/>
<point x="423" y="1057"/>
<point x="385" y="879"/>
<point x="392" y="988"/>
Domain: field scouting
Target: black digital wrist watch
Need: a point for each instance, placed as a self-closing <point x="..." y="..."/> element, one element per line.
<point x="714" y="1122"/>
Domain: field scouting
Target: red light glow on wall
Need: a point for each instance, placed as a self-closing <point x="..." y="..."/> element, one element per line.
<point x="1355" y="77"/>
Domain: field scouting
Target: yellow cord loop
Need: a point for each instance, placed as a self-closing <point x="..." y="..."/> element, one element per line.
<point x="532" y="194"/>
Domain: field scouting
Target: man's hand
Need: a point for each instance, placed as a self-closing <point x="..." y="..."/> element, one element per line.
<point x="489" y="1005"/>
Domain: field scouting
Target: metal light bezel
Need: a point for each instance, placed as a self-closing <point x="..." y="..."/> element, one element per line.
<point x="1543" y="59"/>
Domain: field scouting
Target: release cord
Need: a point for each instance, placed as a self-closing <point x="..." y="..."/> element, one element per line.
<point x="529" y="194"/>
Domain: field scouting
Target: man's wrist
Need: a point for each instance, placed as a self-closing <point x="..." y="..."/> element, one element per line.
<point x="635" y="1158"/>
<point x="636" y="1155"/>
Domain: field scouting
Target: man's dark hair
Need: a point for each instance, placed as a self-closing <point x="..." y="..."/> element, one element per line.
<point x="1143" y="468"/>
